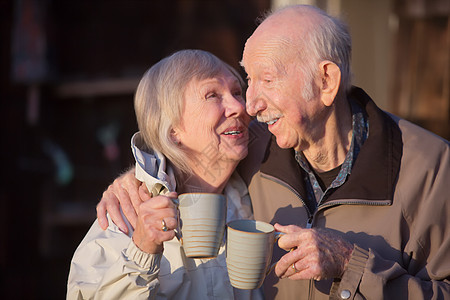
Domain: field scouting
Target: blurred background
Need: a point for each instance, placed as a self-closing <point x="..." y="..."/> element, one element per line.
<point x="67" y="77"/>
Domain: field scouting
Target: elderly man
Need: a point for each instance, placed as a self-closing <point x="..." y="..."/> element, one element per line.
<point x="361" y="194"/>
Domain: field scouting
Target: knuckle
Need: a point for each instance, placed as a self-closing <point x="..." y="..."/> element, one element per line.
<point x="162" y="200"/>
<point x="283" y="260"/>
<point x="105" y="194"/>
<point x="171" y="234"/>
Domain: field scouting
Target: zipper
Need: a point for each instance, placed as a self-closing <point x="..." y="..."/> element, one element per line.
<point x="326" y="204"/>
<point x="309" y="222"/>
<point x="311" y="289"/>
<point x="281" y="182"/>
<point x="355" y="202"/>
<point x="347" y="202"/>
<point x="331" y="203"/>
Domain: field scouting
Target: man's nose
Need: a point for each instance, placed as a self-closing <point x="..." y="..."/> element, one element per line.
<point x="255" y="103"/>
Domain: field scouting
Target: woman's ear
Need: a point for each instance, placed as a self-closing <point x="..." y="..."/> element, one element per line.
<point x="174" y="136"/>
<point x="330" y="76"/>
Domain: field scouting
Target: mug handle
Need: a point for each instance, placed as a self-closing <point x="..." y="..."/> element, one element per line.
<point x="164" y="191"/>
<point x="178" y="230"/>
<point x="277" y="237"/>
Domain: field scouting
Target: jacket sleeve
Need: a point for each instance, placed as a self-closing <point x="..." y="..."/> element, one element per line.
<point x="108" y="265"/>
<point x="423" y="272"/>
<point x="371" y="277"/>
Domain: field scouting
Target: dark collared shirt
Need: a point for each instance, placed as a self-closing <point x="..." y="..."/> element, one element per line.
<point x="360" y="132"/>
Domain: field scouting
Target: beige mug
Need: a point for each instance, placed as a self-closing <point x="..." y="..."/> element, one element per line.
<point x="249" y="252"/>
<point x="202" y="223"/>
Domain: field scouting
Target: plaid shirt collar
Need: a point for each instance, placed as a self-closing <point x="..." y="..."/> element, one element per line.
<point x="360" y="132"/>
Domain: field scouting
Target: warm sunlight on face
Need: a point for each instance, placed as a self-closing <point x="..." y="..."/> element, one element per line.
<point x="275" y="94"/>
<point x="214" y="124"/>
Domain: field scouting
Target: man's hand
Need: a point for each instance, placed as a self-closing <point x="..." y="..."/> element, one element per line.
<point x="126" y="192"/>
<point x="318" y="253"/>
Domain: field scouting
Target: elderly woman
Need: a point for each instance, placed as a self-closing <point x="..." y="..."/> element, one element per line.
<point x="193" y="132"/>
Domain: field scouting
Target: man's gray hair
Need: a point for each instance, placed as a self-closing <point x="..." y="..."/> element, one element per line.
<point x="328" y="39"/>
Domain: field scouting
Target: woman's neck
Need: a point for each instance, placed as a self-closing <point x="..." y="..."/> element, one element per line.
<point x="207" y="179"/>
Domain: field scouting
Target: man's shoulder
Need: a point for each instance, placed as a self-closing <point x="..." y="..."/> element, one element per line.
<point x="413" y="134"/>
<point x="422" y="147"/>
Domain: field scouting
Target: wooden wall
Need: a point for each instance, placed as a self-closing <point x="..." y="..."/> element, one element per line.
<point x="421" y="79"/>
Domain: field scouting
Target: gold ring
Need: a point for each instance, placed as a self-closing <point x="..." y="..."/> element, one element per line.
<point x="164" y="226"/>
<point x="294" y="268"/>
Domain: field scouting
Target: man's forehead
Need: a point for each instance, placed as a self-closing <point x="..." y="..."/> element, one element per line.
<point x="278" y="36"/>
<point x="266" y="53"/>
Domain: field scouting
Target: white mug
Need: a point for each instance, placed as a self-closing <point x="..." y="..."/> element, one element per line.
<point x="202" y="223"/>
<point x="249" y="252"/>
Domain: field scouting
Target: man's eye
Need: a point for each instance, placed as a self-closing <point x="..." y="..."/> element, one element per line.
<point x="211" y="96"/>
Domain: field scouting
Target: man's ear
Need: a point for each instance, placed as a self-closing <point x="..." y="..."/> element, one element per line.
<point x="330" y="79"/>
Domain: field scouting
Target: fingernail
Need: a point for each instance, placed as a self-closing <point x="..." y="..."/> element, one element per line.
<point x="124" y="230"/>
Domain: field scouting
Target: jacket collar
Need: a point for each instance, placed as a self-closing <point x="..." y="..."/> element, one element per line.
<point x="152" y="168"/>
<point x="375" y="171"/>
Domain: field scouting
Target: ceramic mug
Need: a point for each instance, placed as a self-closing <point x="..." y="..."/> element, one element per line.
<point x="202" y="223"/>
<point x="249" y="252"/>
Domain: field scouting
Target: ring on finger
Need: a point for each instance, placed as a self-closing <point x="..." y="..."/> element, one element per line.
<point x="294" y="268"/>
<point x="164" y="226"/>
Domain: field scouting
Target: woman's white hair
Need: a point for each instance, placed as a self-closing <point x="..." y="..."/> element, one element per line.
<point x="159" y="97"/>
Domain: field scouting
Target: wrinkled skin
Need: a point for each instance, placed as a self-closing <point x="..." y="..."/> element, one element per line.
<point x="316" y="253"/>
<point x="148" y="235"/>
<point x="126" y="192"/>
<point x="145" y="213"/>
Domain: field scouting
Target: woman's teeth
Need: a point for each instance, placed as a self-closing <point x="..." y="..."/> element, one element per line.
<point x="234" y="132"/>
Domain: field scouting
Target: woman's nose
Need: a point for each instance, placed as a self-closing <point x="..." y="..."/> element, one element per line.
<point x="234" y="107"/>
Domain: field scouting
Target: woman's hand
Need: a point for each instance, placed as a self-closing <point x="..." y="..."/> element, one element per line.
<point x="156" y="221"/>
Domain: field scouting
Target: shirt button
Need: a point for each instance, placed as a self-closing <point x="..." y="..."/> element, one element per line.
<point x="345" y="294"/>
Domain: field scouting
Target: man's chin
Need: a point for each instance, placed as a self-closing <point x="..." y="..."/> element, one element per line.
<point x="283" y="144"/>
